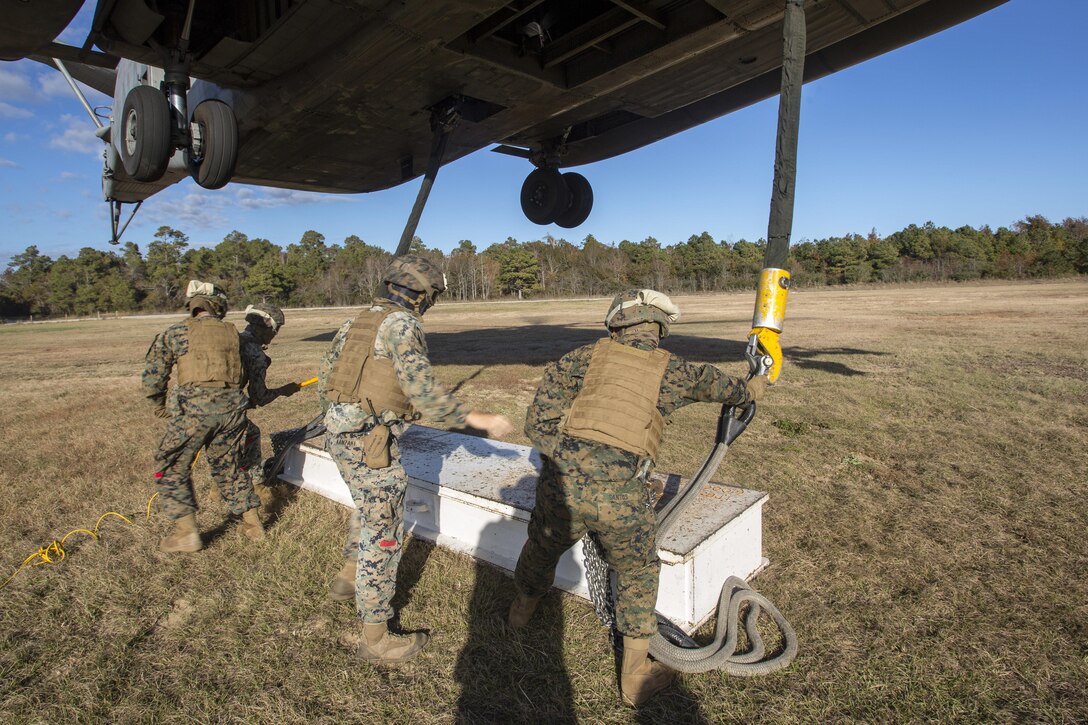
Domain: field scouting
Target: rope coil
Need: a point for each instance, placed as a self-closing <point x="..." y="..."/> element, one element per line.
<point x="54" y="553"/>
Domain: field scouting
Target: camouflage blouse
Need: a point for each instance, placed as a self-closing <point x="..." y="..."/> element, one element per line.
<point x="256" y="362"/>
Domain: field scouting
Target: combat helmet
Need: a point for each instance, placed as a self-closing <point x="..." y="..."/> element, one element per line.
<point x="413" y="273"/>
<point x="205" y="295"/>
<point x="267" y="314"/>
<point x="633" y="306"/>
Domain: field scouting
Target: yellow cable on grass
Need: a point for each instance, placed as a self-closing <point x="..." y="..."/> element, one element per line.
<point x="304" y="383"/>
<point x="54" y="552"/>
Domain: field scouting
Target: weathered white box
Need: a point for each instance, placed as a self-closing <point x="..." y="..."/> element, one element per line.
<point x="474" y="495"/>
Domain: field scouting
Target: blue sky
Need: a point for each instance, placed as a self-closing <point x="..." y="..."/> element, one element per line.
<point x="981" y="124"/>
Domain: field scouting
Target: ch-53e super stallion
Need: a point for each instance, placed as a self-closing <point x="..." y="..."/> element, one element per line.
<point x="354" y="96"/>
<point x="358" y="96"/>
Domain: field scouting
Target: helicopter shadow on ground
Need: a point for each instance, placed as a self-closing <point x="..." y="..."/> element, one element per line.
<point x="544" y="343"/>
<point x="539" y="344"/>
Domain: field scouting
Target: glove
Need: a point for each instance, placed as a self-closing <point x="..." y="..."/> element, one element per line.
<point x="286" y="391"/>
<point x="757" y="386"/>
<point x="160" y="411"/>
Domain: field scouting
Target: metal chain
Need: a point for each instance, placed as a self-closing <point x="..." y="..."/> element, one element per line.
<point x="599" y="579"/>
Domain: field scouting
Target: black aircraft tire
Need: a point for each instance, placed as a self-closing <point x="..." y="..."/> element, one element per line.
<point x="145" y="134"/>
<point x="544" y="196"/>
<point x="581" y="201"/>
<point x="219" y="133"/>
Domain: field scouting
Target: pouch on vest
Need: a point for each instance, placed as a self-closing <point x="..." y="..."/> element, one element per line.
<point x="376" y="447"/>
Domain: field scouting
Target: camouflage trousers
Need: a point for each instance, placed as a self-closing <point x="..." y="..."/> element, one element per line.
<point x="376" y="530"/>
<point x="619" y="513"/>
<point x="221" y="436"/>
<point x="253" y="464"/>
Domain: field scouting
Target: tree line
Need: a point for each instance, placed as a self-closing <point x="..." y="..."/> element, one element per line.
<point x="312" y="272"/>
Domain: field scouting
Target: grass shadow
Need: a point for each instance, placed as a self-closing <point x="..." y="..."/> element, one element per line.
<point x="283" y="495"/>
<point x="218" y="531"/>
<point x="809" y="359"/>
<point x="511" y="676"/>
<point x="677" y="704"/>
<point x="412" y="563"/>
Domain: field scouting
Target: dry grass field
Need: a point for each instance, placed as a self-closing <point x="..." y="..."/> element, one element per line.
<point x="926" y="453"/>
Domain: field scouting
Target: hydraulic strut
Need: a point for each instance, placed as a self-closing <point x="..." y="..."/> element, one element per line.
<point x="443" y="119"/>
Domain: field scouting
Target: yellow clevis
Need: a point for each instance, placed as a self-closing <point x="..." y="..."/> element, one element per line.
<point x="770" y="312"/>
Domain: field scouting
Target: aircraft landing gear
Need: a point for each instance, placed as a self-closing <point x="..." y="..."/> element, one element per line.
<point x="548" y="197"/>
<point x="145" y="134"/>
<point x="581" y="201"/>
<point x="213" y="137"/>
<point x="156" y="122"/>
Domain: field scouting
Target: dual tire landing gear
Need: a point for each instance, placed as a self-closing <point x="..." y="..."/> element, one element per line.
<point x="148" y="138"/>
<point x="213" y="150"/>
<point x="551" y="197"/>
<point x="145" y="134"/>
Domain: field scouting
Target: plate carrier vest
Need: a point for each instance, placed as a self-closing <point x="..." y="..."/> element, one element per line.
<point x="359" y="376"/>
<point x="617" y="404"/>
<point x="214" y="358"/>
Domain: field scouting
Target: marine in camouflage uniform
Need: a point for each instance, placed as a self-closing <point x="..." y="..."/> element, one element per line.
<point x="593" y="486"/>
<point x="263" y="321"/>
<point x="209" y="414"/>
<point x="371" y="382"/>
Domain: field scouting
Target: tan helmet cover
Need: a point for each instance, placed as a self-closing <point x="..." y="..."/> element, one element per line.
<point x="271" y="315"/>
<point x="644" y="305"/>
<point x="205" y="293"/>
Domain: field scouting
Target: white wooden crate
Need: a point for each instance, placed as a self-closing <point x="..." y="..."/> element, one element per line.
<point x="474" y="495"/>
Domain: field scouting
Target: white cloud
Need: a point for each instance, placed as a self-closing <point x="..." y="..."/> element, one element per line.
<point x="266" y="198"/>
<point x="77" y="135"/>
<point x="77" y="29"/>
<point x="12" y="137"/>
<point x="8" y="164"/>
<point x="199" y="209"/>
<point x="203" y="209"/>
<point x="54" y="85"/>
<point x="15" y="83"/>
<point x="9" y="111"/>
<point x="70" y="175"/>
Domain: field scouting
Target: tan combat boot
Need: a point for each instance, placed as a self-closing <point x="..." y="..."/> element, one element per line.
<point x="343" y="586"/>
<point x="640" y="677"/>
<point x="184" y="537"/>
<point x="252" y="528"/>
<point x="265" y="493"/>
<point x="374" y="643"/>
<point x="522" y="610"/>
